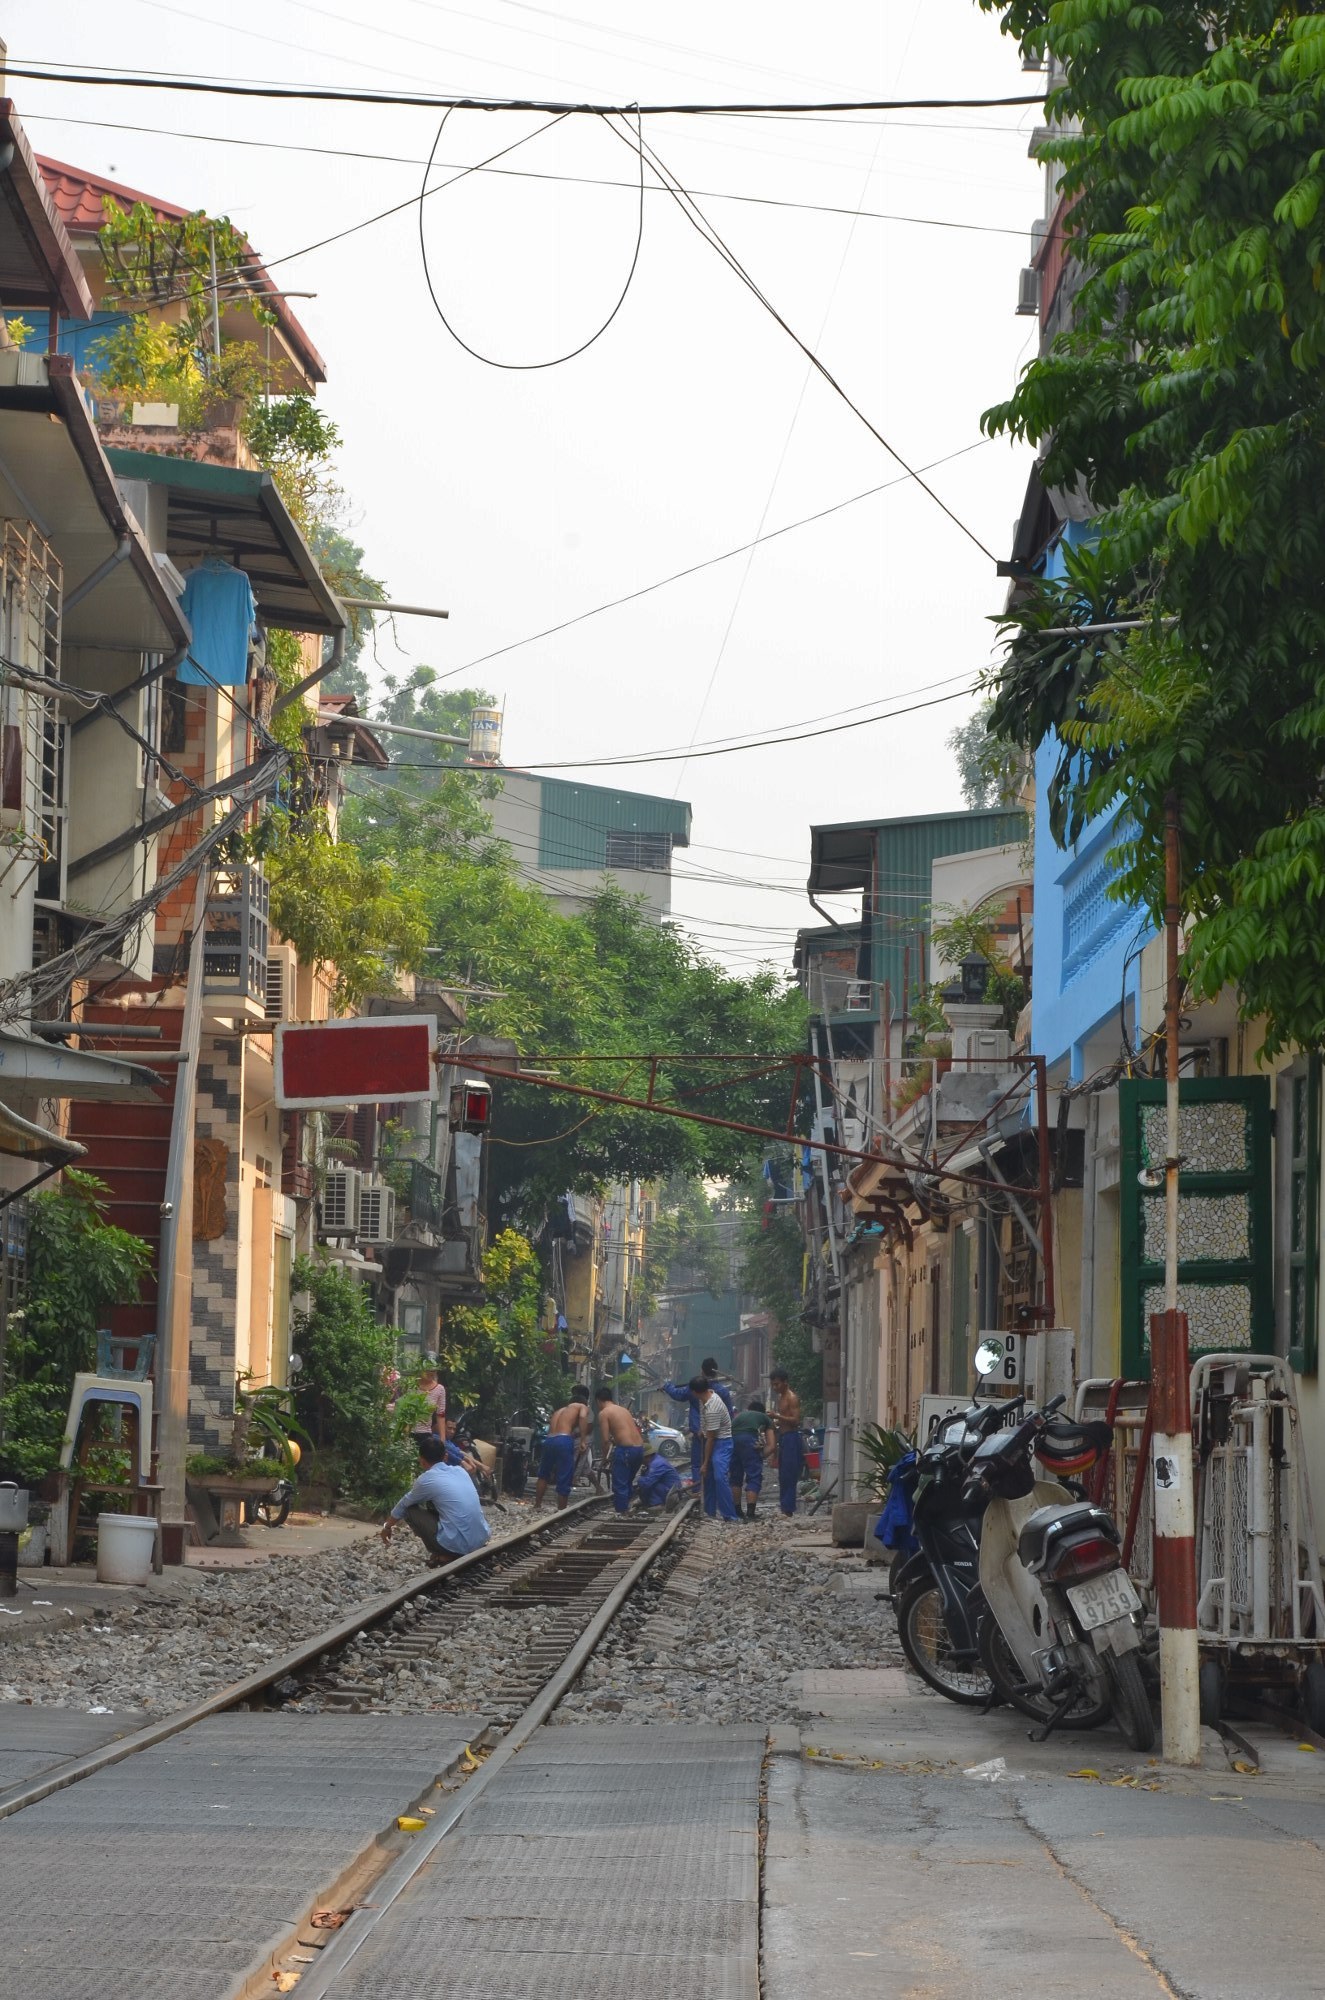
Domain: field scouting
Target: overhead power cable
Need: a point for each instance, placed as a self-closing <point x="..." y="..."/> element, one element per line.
<point x="97" y="76"/>
<point x="699" y="221"/>
<point x="553" y="361"/>
<point x="533" y="174"/>
<point x="536" y="764"/>
<point x="709" y="562"/>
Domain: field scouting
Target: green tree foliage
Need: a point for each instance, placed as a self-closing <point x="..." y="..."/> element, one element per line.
<point x="1188" y="404"/>
<point x="990" y="770"/>
<point x="682" y="1240"/>
<point x="497" y="1357"/>
<point x="79" y="1266"/>
<point x="342" y="1394"/>
<point x="608" y="982"/>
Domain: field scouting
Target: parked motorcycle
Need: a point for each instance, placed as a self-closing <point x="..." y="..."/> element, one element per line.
<point x="936" y="1590"/>
<point x="1061" y="1631"/>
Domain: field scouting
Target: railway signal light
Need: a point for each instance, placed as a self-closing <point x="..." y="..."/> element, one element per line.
<point x="471" y="1106"/>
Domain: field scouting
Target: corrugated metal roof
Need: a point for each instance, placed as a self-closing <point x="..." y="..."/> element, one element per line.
<point x="891" y="861"/>
<point x="574" y="821"/>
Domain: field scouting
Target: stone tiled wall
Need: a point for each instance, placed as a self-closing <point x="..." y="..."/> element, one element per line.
<point x="218" y="1115"/>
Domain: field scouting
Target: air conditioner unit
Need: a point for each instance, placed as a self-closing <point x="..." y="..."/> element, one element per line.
<point x="282" y="969"/>
<point x="1028" y="292"/>
<point x="377" y="1212"/>
<point x="860" y="995"/>
<point x="340" y="1202"/>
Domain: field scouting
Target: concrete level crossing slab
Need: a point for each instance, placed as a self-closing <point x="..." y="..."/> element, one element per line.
<point x="34" y="1740"/>
<point x="642" y="1875"/>
<point x="173" y="1872"/>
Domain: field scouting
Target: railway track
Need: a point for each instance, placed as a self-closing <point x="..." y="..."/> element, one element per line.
<point x="575" y="1571"/>
<point x="563" y="1558"/>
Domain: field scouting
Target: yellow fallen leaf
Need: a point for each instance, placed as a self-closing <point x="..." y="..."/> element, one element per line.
<point x="1310" y="1748"/>
<point x="1247" y="1770"/>
<point x="811" y="1753"/>
<point x="285" y="1981"/>
<point x="1122" y="1781"/>
<point x="408" y="1824"/>
<point x="1086" y="1773"/>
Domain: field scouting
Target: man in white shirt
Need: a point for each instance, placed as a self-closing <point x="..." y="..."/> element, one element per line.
<point x="441" y="1507"/>
<point x="715" y="1430"/>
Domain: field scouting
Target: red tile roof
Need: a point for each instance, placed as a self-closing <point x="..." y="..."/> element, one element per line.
<point x="79" y="199"/>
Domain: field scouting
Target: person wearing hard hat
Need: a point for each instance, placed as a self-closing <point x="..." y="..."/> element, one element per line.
<point x="659" y="1479"/>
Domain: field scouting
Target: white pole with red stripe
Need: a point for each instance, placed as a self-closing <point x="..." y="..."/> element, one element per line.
<point x="1170" y="1394"/>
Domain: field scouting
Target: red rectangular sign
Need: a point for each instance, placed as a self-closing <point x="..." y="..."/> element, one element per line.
<point x="383" y="1059"/>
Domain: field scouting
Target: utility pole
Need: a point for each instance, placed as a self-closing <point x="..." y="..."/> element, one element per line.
<point x="1170" y="1391"/>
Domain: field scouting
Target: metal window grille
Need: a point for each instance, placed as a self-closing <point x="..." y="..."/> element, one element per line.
<point x="13" y="1264"/>
<point x="31" y="592"/>
<point x="648" y="853"/>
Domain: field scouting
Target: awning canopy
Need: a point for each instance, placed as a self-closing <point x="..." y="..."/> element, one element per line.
<point x="218" y="510"/>
<point x="31" y="1069"/>
<point x="53" y="473"/>
<point x="841" y="857"/>
<point x="24" y="1141"/>
<point x="38" y="263"/>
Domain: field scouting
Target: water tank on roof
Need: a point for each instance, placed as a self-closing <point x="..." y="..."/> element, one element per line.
<point x="485" y="736"/>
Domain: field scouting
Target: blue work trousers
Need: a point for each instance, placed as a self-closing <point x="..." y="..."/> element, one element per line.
<point x="718" y="1482"/>
<point x="696" y="1456"/>
<point x="747" y="1464"/>
<point x="791" y="1463"/>
<point x="626" y="1462"/>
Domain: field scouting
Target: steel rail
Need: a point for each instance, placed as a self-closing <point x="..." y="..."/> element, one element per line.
<point x="371" y="1612"/>
<point x="320" y="1979"/>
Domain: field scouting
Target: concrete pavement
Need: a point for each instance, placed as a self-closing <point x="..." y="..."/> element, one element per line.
<point x="919" y="1849"/>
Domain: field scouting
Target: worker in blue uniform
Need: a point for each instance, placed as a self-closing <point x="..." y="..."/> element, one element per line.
<point x="789" y="1454"/>
<point x="715" y="1428"/>
<point x="621" y="1436"/>
<point x="751" y="1430"/>
<point x="567" y="1431"/>
<point x="682" y="1392"/>
<point x="659" y="1479"/>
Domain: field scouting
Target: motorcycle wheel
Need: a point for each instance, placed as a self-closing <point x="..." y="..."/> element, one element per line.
<point x="274" y="1511"/>
<point x="1004" y="1670"/>
<point x="1131" y="1704"/>
<point x="923" y="1631"/>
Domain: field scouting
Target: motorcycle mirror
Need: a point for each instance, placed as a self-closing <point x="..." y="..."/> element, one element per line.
<point x="988" y="1358"/>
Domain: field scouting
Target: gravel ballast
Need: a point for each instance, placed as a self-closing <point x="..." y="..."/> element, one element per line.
<point x="715" y="1636"/>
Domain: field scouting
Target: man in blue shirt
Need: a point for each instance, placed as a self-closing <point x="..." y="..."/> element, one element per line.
<point x="680" y="1392"/>
<point x="658" y="1481"/>
<point x="441" y="1507"/>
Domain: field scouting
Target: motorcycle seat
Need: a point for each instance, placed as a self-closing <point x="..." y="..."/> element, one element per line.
<point x="1032" y="1543"/>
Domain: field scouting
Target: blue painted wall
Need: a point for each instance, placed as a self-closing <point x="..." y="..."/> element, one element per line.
<point x="77" y="336"/>
<point x="1087" y="945"/>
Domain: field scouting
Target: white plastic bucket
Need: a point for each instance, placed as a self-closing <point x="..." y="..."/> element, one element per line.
<point x="124" y="1547"/>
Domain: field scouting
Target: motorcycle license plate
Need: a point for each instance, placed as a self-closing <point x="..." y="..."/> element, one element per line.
<point x="1103" y="1598"/>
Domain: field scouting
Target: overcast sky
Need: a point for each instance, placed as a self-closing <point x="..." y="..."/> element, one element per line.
<point x="520" y="499"/>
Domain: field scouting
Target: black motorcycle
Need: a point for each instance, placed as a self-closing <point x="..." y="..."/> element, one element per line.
<point x="936" y="1591"/>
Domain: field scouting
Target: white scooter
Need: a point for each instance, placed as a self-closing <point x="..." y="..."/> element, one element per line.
<point x="1063" y="1629"/>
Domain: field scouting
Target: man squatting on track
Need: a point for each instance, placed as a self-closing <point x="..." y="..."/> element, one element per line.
<point x="441" y="1506"/>
<point x="567" y="1434"/>
<point x="790" y="1450"/>
<point x="619" y="1430"/>
<point x="715" y="1428"/>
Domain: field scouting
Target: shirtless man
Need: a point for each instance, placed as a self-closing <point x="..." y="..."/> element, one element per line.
<point x="618" y="1428"/>
<point x="567" y="1432"/>
<point x="788" y="1452"/>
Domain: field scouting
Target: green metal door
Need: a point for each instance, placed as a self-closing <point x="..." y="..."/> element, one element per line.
<point x="1225" y="1245"/>
<point x="959" y="1379"/>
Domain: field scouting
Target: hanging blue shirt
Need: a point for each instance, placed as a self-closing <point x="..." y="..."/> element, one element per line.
<point x="218" y="603"/>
